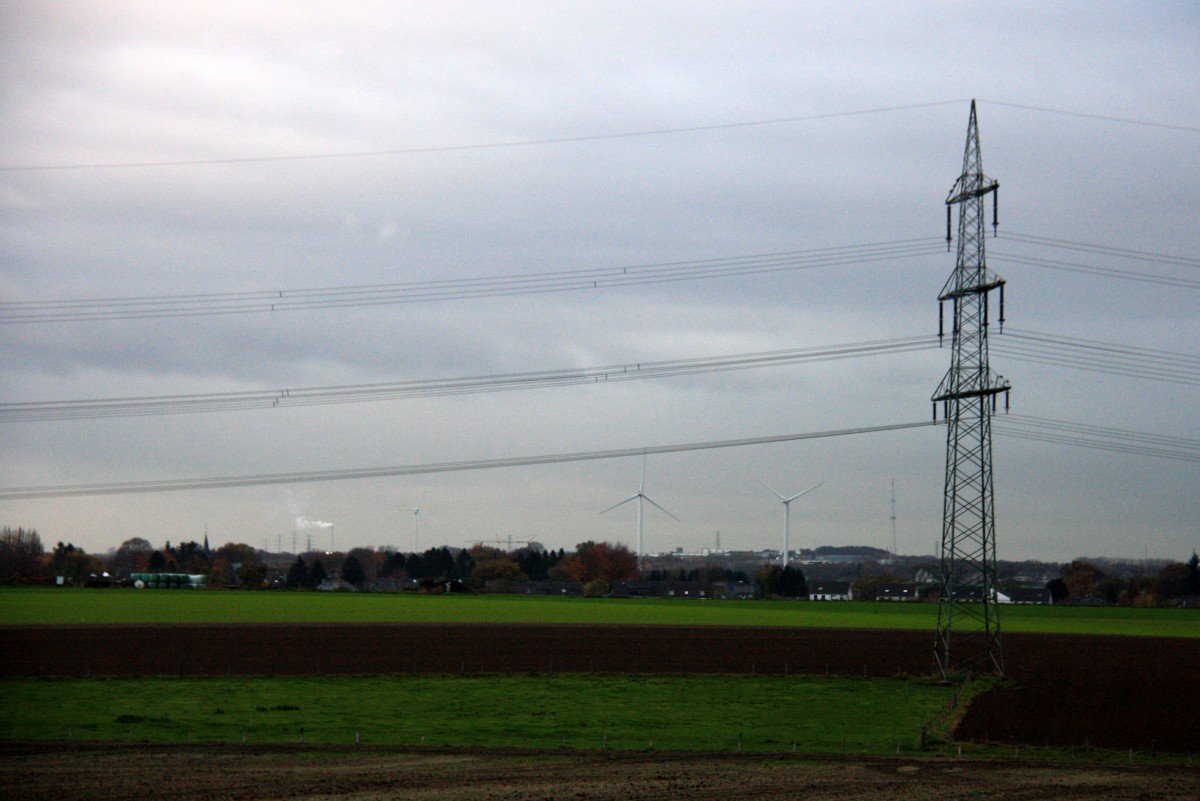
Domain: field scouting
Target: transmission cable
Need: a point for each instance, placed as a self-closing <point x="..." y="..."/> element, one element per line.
<point x="432" y="149"/>
<point x="1096" y="356"/>
<point x="1035" y="428"/>
<point x="1089" y="269"/>
<point x="160" y="306"/>
<point x="1116" y="440"/>
<point x="278" y="300"/>
<point x="1093" y="249"/>
<point x="1015" y="344"/>
<point x="173" y="485"/>
<point x="1099" y="117"/>
<point x="1101" y="250"/>
<point x="478" y="146"/>
<point x="40" y="411"/>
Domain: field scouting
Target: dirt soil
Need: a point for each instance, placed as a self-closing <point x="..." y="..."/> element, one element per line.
<point x="112" y="773"/>
<point x="1112" y="692"/>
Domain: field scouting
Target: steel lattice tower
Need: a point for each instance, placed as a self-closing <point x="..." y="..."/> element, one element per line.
<point x="967" y="612"/>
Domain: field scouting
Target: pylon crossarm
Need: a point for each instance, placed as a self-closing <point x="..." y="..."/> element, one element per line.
<point x="970" y="188"/>
<point x="986" y="283"/>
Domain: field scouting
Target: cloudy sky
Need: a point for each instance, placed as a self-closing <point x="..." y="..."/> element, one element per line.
<point x="204" y="199"/>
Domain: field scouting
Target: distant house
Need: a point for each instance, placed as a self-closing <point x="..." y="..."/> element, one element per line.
<point x="968" y="594"/>
<point x="637" y="589"/>
<point x="1189" y="602"/>
<point x="398" y="584"/>
<point x="568" y="588"/>
<point x="1026" y="595"/>
<point x="924" y="576"/>
<point x="830" y="591"/>
<point x="897" y="592"/>
<point x="741" y="591"/>
<point x="336" y="585"/>
<point x="687" y="589"/>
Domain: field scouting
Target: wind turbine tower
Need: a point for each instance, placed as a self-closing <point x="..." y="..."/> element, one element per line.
<point x="893" y="518"/>
<point x="967" y="609"/>
<point x="787" y="514"/>
<point x="416" y="518"/>
<point x="640" y="496"/>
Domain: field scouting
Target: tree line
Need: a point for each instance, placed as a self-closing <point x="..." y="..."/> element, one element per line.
<point x="25" y="560"/>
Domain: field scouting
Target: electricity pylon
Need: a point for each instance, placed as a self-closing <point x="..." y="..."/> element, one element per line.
<point x="967" y="611"/>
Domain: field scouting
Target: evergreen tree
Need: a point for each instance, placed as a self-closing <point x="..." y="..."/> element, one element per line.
<point x="190" y="557"/>
<point x="785" y="582"/>
<point x="792" y="583"/>
<point x="316" y="574"/>
<point x="395" y="562"/>
<point x="1059" y="591"/>
<point x="157" y="562"/>
<point x="1192" y="582"/>
<point x="297" y="574"/>
<point x="464" y="563"/>
<point x="352" y="571"/>
<point x="439" y="563"/>
<point x="532" y="562"/>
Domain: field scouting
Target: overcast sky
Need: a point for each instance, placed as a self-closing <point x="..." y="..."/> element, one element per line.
<point x="174" y="150"/>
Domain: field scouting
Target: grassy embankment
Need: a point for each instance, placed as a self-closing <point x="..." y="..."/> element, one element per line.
<point x="47" y="606"/>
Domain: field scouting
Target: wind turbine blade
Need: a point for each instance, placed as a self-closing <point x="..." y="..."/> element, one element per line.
<point x="652" y="502"/>
<point x="798" y="494"/>
<point x="777" y="493"/>
<point x="622" y="503"/>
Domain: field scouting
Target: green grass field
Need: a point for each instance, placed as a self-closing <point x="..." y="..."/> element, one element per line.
<point x="60" y="606"/>
<point x="711" y="713"/>
<point x="618" y="712"/>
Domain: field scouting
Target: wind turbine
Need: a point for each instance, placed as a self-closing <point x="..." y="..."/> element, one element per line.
<point x="787" y="513"/>
<point x="640" y="496"/>
<point x="416" y="517"/>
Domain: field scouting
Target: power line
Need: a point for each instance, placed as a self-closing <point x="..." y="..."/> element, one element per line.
<point x="1093" y="249"/>
<point x="40" y="411"/>
<point x="434" y="149"/>
<point x="1100" y="117"/>
<point x="478" y="146"/>
<point x="348" y="296"/>
<point x="1105" y="438"/>
<point x="224" y="482"/>
<point x="1103" y="250"/>
<point x="1105" y="272"/>
<point x="1101" y="357"/>
<point x="161" y="306"/>
<point x="1039" y="429"/>
<point x="1017" y="344"/>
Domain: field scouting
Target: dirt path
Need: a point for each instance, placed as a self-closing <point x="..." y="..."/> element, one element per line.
<point x="118" y="773"/>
